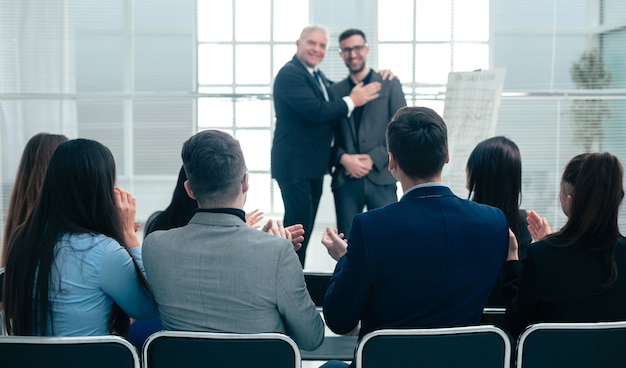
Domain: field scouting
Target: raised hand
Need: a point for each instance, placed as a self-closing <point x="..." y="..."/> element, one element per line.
<point x="127" y="205"/>
<point x="253" y="218"/>
<point x="334" y="243"/>
<point x="538" y="226"/>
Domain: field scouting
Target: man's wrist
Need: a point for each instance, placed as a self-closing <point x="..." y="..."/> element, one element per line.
<point x="350" y="103"/>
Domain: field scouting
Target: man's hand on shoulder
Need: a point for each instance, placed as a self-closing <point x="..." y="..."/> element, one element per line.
<point x="387" y="74"/>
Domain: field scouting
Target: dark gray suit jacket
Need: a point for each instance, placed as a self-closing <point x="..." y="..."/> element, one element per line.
<point x="371" y="139"/>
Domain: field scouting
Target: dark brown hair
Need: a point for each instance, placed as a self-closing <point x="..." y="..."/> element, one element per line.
<point x="30" y="174"/>
<point x="593" y="219"/>
<point x="418" y="139"/>
<point x="494" y="177"/>
<point x="77" y="196"/>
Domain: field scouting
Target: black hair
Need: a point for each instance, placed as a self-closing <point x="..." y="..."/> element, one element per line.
<point x="494" y="177"/>
<point x="77" y="196"/>
<point x="418" y="139"/>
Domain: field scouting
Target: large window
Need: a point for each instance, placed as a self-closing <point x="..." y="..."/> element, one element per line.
<point x="422" y="41"/>
<point x="141" y="76"/>
<point x="551" y="113"/>
<point x="241" y="46"/>
<point x="118" y="71"/>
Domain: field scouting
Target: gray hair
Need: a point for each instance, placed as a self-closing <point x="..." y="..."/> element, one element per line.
<point x="313" y="28"/>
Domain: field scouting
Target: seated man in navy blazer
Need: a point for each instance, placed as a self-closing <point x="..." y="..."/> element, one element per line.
<point x="429" y="260"/>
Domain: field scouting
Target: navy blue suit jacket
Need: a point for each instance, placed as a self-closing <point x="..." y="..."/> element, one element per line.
<point x="429" y="260"/>
<point x="304" y="123"/>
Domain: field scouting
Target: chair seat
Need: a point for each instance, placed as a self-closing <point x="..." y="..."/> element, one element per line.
<point x="166" y="349"/>
<point x="67" y="352"/>
<point x="573" y="345"/>
<point x="471" y="346"/>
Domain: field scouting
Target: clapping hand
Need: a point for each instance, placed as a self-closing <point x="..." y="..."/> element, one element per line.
<point x="253" y="218"/>
<point x="538" y="226"/>
<point x="335" y="243"/>
<point x="293" y="233"/>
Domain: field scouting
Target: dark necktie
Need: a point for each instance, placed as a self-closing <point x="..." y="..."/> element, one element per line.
<point x="316" y="75"/>
<point x="318" y="79"/>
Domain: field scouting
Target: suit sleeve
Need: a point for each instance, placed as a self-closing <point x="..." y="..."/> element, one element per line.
<point x="336" y="91"/>
<point x="302" y="320"/>
<point x="347" y="294"/>
<point x="523" y="308"/>
<point x="292" y="88"/>
<point x="396" y="101"/>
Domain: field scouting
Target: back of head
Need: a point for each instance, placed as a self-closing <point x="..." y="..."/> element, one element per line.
<point x="78" y="191"/>
<point x="596" y="198"/>
<point x="35" y="160"/>
<point x="418" y="139"/>
<point x="215" y="167"/>
<point x="28" y="181"/>
<point x="572" y="169"/>
<point x="494" y="176"/>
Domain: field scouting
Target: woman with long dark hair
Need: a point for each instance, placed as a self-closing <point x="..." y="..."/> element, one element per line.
<point x="69" y="268"/>
<point x="577" y="274"/>
<point x="538" y="226"/>
<point x="494" y="177"/>
<point x="28" y="180"/>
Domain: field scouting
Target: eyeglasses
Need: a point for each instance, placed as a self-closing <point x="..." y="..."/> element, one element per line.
<point x="348" y="50"/>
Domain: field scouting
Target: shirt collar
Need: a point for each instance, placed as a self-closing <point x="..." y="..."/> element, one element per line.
<point x="308" y="68"/>
<point x="231" y="211"/>
<point x="425" y="185"/>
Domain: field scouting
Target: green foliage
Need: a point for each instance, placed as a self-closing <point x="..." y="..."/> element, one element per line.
<point x="589" y="73"/>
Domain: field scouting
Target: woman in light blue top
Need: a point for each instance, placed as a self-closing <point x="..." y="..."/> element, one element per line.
<point x="74" y="267"/>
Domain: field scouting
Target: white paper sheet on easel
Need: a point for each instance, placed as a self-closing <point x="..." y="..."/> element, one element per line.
<point x="471" y="114"/>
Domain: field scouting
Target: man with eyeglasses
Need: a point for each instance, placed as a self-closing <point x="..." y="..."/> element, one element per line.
<point x="361" y="177"/>
<point x="306" y="115"/>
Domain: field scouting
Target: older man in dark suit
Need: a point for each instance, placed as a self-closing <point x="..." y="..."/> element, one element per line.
<point x="305" y="116"/>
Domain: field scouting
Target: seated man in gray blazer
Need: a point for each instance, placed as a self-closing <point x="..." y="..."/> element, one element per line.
<point x="216" y="274"/>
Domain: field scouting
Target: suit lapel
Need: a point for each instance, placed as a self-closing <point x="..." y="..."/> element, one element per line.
<point x="310" y="78"/>
<point x="374" y="78"/>
<point x="363" y="124"/>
